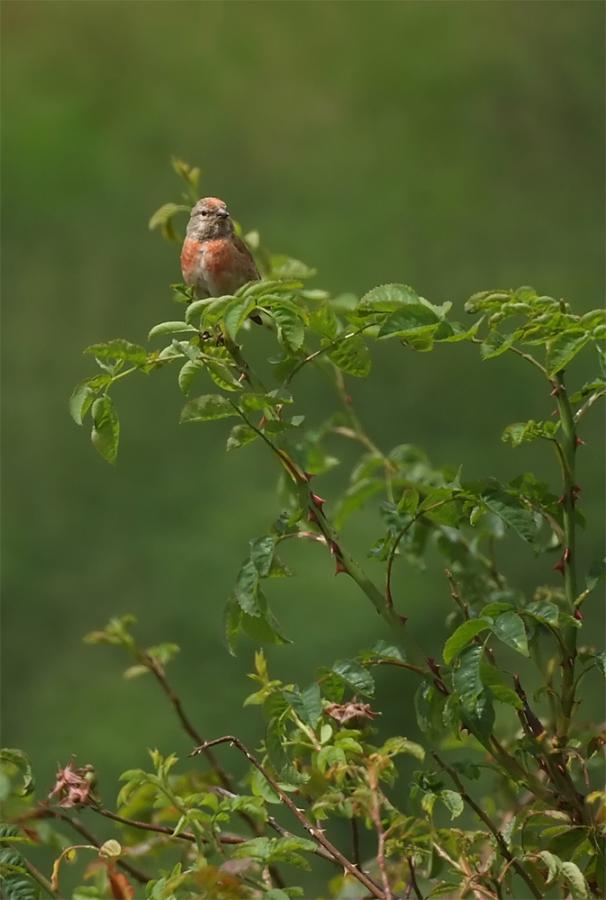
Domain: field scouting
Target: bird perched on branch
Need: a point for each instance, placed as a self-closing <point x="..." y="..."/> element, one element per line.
<point x="214" y="260"/>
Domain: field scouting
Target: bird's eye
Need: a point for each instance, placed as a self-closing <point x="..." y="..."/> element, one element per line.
<point x="204" y="212"/>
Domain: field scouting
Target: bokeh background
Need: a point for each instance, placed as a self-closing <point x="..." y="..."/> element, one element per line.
<point x="453" y="146"/>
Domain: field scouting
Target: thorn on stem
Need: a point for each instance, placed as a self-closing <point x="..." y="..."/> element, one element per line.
<point x="317" y="500"/>
<point x="563" y="562"/>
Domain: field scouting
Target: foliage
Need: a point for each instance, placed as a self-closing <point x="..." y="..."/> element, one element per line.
<point x="519" y="812"/>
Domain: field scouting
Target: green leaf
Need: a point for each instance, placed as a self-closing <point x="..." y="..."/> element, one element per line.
<point x="393" y="746"/>
<point x="236" y="313"/>
<point x="222" y="375"/>
<point x="264" y="627"/>
<point x="495" y="608"/>
<point x="247" y="589"/>
<point x="240" y="436"/>
<point x="543" y="611"/>
<point x="289" y="268"/>
<point x="575" y="878"/>
<point x="520" y="432"/>
<point x="291" y="329"/>
<point x="564" y="348"/>
<point x="189" y="174"/>
<point x="388" y="298"/>
<point x="197" y="308"/>
<point x="383" y="650"/>
<point x="453" y="802"/>
<point x="478" y="717"/>
<point x="600" y="661"/>
<point x="355" y="677"/>
<point x="509" y="628"/>
<point x="496" y="344"/>
<point x="262" y="554"/>
<point x="462" y="637"/>
<point x="487" y="300"/>
<point x="207" y="408"/>
<point x="187" y="374"/>
<point x="408" y="502"/>
<point x="14" y="761"/>
<point x="162" y="218"/>
<point x="508" y="508"/>
<point x="352" y="356"/>
<point x="171" y="328"/>
<point x="119" y="349"/>
<point x="105" y="433"/>
<point x="553" y="864"/>
<point x="429" y="707"/>
<point x="307" y="704"/>
<point x="81" y="401"/>
<point x="466" y="678"/>
<point x="413" y="317"/>
<point x="493" y="680"/>
<point x="258" y="402"/>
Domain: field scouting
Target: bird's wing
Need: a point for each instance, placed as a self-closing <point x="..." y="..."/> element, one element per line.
<point x="249" y="267"/>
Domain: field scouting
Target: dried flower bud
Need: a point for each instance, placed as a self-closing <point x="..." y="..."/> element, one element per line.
<point x="73" y="785"/>
<point x="346" y="712"/>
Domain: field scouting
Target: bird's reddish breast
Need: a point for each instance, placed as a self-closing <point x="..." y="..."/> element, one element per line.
<point x="190" y="255"/>
<point x="219" y="256"/>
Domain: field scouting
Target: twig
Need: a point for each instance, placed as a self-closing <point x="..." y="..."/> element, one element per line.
<point x="523" y="355"/>
<point x="413" y="878"/>
<point x="375" y="814"/>
<point x="325" y="349"/>
<point x="568" y="562"/>
<point x="81" y="828"/>
<point x="456" y="594"/>
<point x="39" y="877"/>
<point x="316" y="834"/>
<point x="534" y="362"/>
<point x="163" y="829"/>
<point x="588" y="404"/>
<point x="479" y="891"/>
<point x="158" y="672"/>
<point x="503" y="849"/>
<point x="402" y="665"/>
<point x="355" y="841"/>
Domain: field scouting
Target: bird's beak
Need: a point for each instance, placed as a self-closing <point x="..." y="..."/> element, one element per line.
<point x="223" y="213"/>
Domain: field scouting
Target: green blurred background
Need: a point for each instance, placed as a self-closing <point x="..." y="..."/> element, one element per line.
<point x="453" y="146"/>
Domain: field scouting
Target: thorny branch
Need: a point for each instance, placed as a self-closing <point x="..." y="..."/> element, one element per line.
<point x="503" y="849"/>
<point x="316" y="834"/>
<point x="375" y="813"/>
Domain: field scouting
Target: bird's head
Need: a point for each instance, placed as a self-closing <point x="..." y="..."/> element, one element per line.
<point x="210" y="219"/>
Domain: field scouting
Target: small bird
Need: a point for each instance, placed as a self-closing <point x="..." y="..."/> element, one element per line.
<point x="214" y="260"/>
